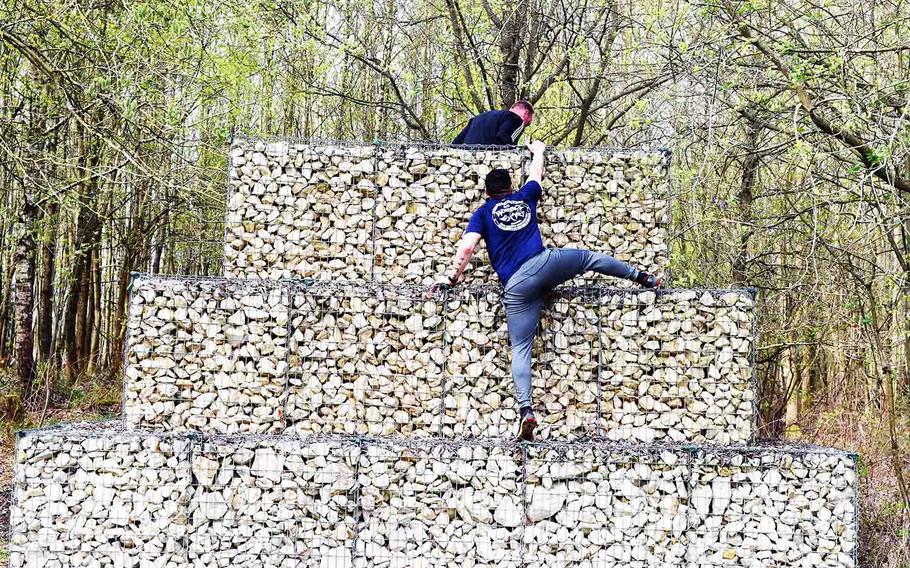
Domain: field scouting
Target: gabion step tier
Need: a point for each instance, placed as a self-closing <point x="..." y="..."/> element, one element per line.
<point x="101" y="495"/>
<point x="394" y="213"/>
<point x="257" y="356"/>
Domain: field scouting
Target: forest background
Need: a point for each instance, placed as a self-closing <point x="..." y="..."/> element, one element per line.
<point x="788" y="123"/>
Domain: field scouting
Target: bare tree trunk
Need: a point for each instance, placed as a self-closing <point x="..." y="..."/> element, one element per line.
<point x="46" y="284"/>
<point x="792" y="381"/>
<point x="119" y="320"/>
<point x="884" y="374"/>
<point x="25" y="300"/>
<point x="87" y="231"/>
<point x="744" y="198"/>
<point x="95" y="328"/>
<point x="4" y="310"/>
<point x="510" y="45"/>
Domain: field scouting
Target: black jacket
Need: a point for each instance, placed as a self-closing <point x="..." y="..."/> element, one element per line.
<point x="494" y="127"/>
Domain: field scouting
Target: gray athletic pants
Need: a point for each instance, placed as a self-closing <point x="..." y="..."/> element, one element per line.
<point x="524" y="295"/>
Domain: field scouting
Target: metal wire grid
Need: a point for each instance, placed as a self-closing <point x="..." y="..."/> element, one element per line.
<point x="207" y="355"/>
<point x="617" y="203"/>
<point x="426" y="197"/>
<point x="300" y="210"/>
<point x="437" y="505"/>
<point x="800" y="509"/>
<point x="270" y="501"/>
<point x="678" y="368"/>
<point x="393" y="213"/>
<point x="363" y="501"/>
<point x="382" y="359"/>
<point x="366" y="359"/>
<point x="104" y="500"/>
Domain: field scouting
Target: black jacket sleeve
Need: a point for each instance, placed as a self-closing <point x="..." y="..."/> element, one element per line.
<point x="510" y="127"/>
<point x="463" y="134"/>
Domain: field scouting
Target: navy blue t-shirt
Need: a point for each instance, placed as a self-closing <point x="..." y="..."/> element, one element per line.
<point x="508" y="225"/>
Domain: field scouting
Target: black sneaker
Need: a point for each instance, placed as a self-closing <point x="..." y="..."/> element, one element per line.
<point x="648" y="280"/>
<point x="526" y="424"/>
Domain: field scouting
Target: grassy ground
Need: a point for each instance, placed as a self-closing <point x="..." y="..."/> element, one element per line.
<point x="884" y="526"/>
<point x="87" y="401"/>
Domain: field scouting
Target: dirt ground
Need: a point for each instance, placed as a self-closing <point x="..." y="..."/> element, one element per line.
<point x="6" y="493"/>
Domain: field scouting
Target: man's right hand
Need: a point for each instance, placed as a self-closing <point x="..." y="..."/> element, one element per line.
<point x="537" y="147"/>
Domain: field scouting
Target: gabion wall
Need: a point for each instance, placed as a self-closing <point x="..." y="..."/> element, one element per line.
<point x="206" y="355"/>
<point x="228" y="356"/>
<point x="101" y="495"/>
<point x="394" y="213"/>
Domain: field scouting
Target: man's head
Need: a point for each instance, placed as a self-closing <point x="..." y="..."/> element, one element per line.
<point x="524" y="110"/>
<point x="498" y="182"/>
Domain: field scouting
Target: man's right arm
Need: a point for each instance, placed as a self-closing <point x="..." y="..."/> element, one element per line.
<point x="463" y="253"/>
<point x="535" y="170"/>
<point x="463" y="134"/>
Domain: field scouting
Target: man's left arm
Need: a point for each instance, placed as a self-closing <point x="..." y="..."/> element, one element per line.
<point x="462" y="136"/>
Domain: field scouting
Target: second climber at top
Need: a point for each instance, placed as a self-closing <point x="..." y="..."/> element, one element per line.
<point x="507" y="223"/>
<point x="497" y="127"/>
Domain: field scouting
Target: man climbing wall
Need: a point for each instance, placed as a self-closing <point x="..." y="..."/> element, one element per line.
<point x="507" y="222"/>
<point x="497" y="127"/>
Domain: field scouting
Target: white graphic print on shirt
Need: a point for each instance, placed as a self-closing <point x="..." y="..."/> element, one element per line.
<point x="511" y="215"/>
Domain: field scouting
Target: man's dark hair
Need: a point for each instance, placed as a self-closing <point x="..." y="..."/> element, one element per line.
<point x="524" y="105"/>
<point x="498" y="181"/>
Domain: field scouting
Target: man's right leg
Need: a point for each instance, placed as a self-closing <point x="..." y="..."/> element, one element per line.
<point x="522" y="317"/>
<point x="523" y="305"/>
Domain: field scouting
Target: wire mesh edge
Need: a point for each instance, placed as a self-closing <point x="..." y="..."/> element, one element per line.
<point x="327" y="141"/>
<point x="115" y="428"/>
<point x="593" y="290"/>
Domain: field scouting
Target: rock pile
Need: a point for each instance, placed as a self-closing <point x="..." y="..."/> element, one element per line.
<point x="365" y="359"/>
<point x="327" y="412"/>
<point x="226" y="356"/>
<point x="299" y="210"/>
<point x="206" y="355"/>
<point x="608" y="201"/>
<point x="96" y="496"/>
<point x="394" y="213"/>
<point x="90" y="495"/>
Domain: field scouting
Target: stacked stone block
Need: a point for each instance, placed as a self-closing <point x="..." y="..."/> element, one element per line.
<point x="230" y="355"/>
<point x="392" y="213"/>
<point x="90" y="495"/>
<point x="319" y="408"/>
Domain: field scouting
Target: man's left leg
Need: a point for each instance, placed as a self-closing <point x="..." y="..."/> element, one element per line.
<point x="565" y="264"/>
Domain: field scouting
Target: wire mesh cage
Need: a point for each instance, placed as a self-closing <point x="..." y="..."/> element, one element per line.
<point x="606" y="506"/>
<point x="438" y="504"/>
<point x="775" y="506"/>
<point x="610" y="201"/>
<point x="272" y="501"/>
<point x="206" y="354"/>
<point x="427" y="195"/>
<point x="301" y="210"/>
<point x="381" y="359"/>
<point x="393" y="213"/>
<point x="677" y="365"/>
<point x="107" y="496"/>
<point x="365" y="359"/>
<point x="566" y="388"/>
<point x="84" y="497"/>
<point x="480" y="396"/>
